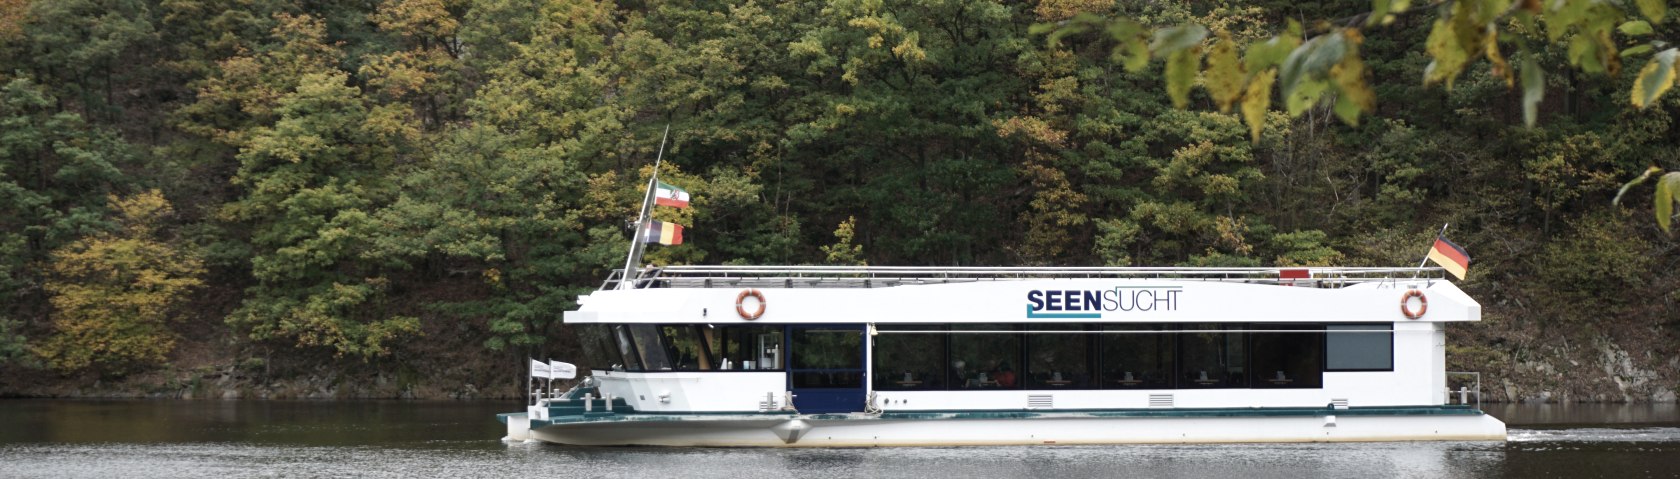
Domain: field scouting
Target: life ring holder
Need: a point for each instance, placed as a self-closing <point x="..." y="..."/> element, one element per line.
<point x="1406" y="300"/>
<point x="741" y="304"/>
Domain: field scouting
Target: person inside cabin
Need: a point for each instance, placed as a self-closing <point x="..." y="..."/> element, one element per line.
<point x="1004" y="376"/>
<point x="958" y="373"/>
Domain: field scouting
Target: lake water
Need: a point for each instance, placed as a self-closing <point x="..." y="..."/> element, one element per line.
<point x="106" y="439"/>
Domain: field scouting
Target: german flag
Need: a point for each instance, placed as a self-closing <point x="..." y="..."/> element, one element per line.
<point x="663" y="233"/>
<point x="1450" y="256"/>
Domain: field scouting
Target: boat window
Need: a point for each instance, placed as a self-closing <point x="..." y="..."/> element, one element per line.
<point x="595" y="347"/>
<point x="909" y="362"/>
<point x="1059" y="360"/>
<point x="827" y="349"/>
<point x="751" y="347"/>
<point x="1137" y="356"/>
<point x="687" y="349"/>
<point x="985" y="360"/>
<point x="626" y="347"/>
<point x="827" y="358"/>
<point x="1291" y="359"/>
<point x="1358" y="351"/>
<point x="1211" y="358"/>
<point x="654" y="357"/>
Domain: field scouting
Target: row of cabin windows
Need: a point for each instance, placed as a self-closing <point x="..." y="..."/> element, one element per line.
<point x="1037" y="356"/>
<point x="1114" y="356"/>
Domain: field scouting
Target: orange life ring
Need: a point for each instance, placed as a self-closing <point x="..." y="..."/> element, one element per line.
<point x="741" y="307"/>
<point x="1405" y="302"/>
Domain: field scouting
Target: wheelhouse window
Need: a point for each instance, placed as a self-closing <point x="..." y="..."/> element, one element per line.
<point x="687" y="347"/>
<point x="653" y="355"/>
<point x="1058" y="360"/>
<point x="1290" y="359"/>
<point x="1348" y="347"/>
<point x="985" y="360"/>
<point x="1137" y="356"/>
<point x="1212" y="358"/>
<point x="596" y="346"/>
<point x="751" y="348"/>
<point x="909" y="362"/>
<point x="626" y="347"/>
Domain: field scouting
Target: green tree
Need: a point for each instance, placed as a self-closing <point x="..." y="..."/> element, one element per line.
<point x="55" y="171"/>
<point x="843" y="252"/>
<point x="896" y="117"/>
<point x="313" y="181"/>
<point x="501" y="219"/>
<point x="91" y="51"/>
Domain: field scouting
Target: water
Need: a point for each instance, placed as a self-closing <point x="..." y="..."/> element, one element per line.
<point x="105" y="439"/>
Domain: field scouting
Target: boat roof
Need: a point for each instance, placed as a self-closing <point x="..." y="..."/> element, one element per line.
<point x="958" y="295"/>
<point x="880" y="276"/>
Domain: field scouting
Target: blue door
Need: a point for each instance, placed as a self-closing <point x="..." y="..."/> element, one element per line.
<point x="825" y="368"/>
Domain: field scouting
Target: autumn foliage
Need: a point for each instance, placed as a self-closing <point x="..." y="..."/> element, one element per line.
<point x="370" y="184"/>
<point x="115" y="294"/>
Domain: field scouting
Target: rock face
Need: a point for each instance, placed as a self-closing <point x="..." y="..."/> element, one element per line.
<point x="1559" y="361"/>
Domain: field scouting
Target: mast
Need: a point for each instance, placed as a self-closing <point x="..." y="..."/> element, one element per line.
<point x="632" y="262"/>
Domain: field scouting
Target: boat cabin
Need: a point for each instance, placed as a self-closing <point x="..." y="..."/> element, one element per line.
<point x="716" y="339"/>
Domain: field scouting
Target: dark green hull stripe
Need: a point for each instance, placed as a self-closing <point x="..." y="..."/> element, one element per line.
<point x="558" y="417"/>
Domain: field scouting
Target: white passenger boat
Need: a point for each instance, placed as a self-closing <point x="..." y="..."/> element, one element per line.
<point x="803" y="356"/>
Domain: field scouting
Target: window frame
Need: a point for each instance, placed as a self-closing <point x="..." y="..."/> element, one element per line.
<point x="1385" y="328"/>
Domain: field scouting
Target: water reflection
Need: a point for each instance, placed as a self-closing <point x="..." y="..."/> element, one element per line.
<point x="1570" y="414"/>
<point x="406" y="439"/>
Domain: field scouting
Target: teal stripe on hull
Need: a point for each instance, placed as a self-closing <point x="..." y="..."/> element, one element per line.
<point x="601" y="416"/>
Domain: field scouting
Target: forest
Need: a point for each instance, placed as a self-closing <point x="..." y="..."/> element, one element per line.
<point x="398" y="198"/>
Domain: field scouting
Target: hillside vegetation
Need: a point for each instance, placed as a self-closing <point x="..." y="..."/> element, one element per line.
<point x="398" y="198"/>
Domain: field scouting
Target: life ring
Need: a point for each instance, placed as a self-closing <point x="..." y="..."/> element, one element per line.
<point x="741" y="306"/>
<point x="1405" y="304"/>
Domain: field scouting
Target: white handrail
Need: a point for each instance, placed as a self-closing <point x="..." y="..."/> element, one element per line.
<point x="810" y="276"/>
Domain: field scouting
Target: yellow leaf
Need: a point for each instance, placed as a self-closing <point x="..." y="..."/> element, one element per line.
<point x="1224" y="75"/>
<point x="1448" y="54"/>
<point x="1668" y="193"/>
<point x="1655" y="79"/>
<point x="1257" y="101"/>
<point x="1181" y="73"/>
<point x="1354" y="96"/>
<point x="1653" y="9"/>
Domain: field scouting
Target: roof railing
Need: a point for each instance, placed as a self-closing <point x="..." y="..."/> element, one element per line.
<point x="882" y="276"/>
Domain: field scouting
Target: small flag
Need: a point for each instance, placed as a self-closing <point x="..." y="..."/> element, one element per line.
<point x="1450" y="256"/>
<point x="559" y="370"/>
<point x="540" y="369"/>
<point x="663" y="233"/>
<point x="667" y="195"/>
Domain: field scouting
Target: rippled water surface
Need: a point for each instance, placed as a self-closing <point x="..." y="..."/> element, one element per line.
<point x="108" y="439"/>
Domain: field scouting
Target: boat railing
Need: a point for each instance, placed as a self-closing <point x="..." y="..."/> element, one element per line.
<point x="1469" y="384"/>
<point x="883" y="276"/>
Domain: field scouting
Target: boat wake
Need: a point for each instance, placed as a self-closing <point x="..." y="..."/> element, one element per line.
<point x="1594" y="434"/>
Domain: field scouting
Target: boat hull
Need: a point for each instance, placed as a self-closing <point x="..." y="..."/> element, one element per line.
<point x="991" y="429"/>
